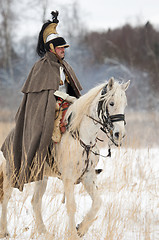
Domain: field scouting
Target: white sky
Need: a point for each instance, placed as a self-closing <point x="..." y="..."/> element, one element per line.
<point x="100" y="14"/>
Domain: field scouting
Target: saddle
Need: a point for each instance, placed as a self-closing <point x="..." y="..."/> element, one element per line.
<point x="59" y="123"/>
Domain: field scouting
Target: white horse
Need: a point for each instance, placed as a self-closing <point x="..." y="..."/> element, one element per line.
<point x="76" y="156"/>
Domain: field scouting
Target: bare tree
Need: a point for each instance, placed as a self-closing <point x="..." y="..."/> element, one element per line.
<point x="39" y="7"/>
<point x="73" y="20"/>
<point x="6" y="25"/>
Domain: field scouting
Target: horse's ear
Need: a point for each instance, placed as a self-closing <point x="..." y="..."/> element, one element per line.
<point x="110" y="83"/>
<point x="126" y="85"/>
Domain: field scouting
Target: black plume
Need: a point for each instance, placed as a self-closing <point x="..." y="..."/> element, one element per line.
<point x="54" y="16"/>
<point x="41" y="46"/>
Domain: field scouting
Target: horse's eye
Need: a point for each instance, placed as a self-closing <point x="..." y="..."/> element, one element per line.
<point x="111" y="104"/>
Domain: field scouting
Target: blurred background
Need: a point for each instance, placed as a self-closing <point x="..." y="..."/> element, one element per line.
<point x="118" y="38"/>
<point x="107" y="38"/>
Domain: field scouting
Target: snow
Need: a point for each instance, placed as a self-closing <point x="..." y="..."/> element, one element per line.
<point x="129" y="188"/>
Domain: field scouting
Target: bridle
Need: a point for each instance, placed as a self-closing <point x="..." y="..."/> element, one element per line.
<point x="105" y="119"/>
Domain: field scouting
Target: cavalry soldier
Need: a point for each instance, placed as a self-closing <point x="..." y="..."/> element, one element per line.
<point x="51" y="78"/>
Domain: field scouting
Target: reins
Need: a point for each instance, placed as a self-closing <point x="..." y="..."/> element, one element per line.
<point x="113" y="118"/>
<point x="106" y="126"/>
<point x="87" y="149"/>
<point x="109" y="120"/>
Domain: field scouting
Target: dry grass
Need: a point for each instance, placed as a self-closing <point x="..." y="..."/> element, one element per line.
<point x="129" y="187"/>
<point x="142" y="129"/>
<point x="132" y="184"/>
<point x="5" y="128"/>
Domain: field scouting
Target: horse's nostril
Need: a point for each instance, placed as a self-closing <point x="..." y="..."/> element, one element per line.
<point x="117" y="134"/>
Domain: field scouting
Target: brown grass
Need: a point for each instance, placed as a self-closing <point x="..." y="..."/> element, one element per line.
<point x="142" y="129"/>
<point x="128" y="181"/>
<point x="5" y="128"/>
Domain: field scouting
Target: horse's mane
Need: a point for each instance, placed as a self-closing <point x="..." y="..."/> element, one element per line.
<point x="81" y="106"/>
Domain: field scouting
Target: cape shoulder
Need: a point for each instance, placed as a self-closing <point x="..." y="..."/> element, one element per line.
<point x="44" y="75"/>
<point x="72" y="75"/>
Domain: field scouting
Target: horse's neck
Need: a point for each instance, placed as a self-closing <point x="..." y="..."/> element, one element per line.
<point x="88" y="128"/>
<point x="88" y="131"/>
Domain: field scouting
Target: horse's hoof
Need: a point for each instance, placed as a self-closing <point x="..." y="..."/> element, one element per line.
<point x="98" y="171"/>
<point x="4" y="235"/>
<point x="77" y="227"/>
<point x="41" y="229"/>
<point x="78" y="232"/>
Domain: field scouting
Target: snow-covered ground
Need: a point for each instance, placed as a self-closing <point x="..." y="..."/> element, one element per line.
<point x="129" y="187"/>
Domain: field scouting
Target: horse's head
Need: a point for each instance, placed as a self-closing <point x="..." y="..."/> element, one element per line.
<point x="105" y="105"/>
<point x="111" y="108"/>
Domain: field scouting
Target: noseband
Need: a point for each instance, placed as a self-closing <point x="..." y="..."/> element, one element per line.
<point x="107" y="119"/>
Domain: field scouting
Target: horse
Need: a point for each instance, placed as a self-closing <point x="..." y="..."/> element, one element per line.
<point x="77" y="154"/>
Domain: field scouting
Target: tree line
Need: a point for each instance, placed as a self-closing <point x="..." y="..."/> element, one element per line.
<point x="135" y="46"/>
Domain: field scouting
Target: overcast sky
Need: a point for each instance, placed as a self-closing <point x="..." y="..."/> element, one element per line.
<point x="102" y="14"/>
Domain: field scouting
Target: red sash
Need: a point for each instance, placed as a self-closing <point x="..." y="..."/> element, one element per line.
<point x="63" y="107"/>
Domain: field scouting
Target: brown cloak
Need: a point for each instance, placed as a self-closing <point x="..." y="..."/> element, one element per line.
<point x="26" y="147"/>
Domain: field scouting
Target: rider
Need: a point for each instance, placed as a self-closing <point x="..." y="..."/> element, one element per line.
<point x="50" y="78"/>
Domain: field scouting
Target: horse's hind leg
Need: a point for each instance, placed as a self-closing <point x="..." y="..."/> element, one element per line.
<point x="39" y="191"/>
<point x="7" y="191"/>
<point x="90" y="186"/>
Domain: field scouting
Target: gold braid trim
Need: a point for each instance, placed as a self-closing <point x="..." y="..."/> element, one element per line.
<point x="51" y="28"/>
<point x="67" y="79"/>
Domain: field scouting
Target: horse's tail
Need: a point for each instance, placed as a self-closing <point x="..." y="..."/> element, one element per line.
<point x="1" y="184"/>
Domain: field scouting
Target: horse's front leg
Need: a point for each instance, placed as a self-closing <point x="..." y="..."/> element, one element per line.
<point x="89" y="182"/>
<point x="7" y="191"/>
<point x="39" y="191"/>
<point x="71" y="207"/>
